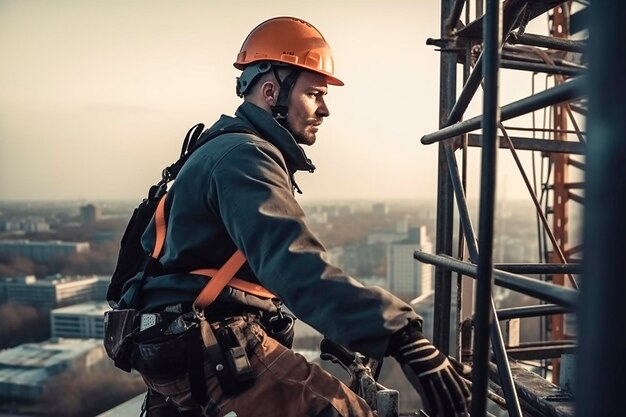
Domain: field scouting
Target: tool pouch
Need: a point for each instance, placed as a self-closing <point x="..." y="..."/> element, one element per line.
<point x="167" y="357"/>
<point x="236" y="356"/>
<point x="171" y="350"/>
<point x="119" y="327"/>
<point x="228" y="357"/>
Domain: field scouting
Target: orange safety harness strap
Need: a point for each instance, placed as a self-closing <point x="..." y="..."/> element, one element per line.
<point x="237" y="283"/>
<point x="161" y="228"/>
<point x="219" y="278"/>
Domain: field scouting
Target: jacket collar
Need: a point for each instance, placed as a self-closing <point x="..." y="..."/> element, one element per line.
<point x="270" y="130"/>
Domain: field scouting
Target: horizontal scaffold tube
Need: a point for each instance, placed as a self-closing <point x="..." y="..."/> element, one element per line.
<point x="529" y="311"/>
<point x="561" y="93"/>
<point x="562" y="296"/>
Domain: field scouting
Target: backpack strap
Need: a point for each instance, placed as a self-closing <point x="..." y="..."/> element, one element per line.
<point x="219" y="278"/>
<point x="194" y="139"/>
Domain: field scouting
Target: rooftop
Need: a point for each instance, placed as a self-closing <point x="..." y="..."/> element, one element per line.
<point x="42" y="243"/>
<point x="32" y="363"/>
<point x="46" y="354"/>
<point x="89" y="309"/>
<point x="50" y="280"/>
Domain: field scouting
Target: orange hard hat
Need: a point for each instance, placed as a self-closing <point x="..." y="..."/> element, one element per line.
<point x="291" y="41"/>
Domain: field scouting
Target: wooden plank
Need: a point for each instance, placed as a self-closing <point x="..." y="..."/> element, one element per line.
<point x="537" y="395"/>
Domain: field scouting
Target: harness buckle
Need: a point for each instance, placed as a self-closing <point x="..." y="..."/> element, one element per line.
<point x="198" y="312"/>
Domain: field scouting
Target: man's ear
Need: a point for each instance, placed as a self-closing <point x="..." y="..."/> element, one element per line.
<point x="269" y="92"/>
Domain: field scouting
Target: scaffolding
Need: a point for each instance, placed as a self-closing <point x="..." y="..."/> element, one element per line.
<point x="492" y="36"/>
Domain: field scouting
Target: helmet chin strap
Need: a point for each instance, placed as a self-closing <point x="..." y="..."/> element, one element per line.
<point x="280" y="109"/>
<point x="253" y="72"/>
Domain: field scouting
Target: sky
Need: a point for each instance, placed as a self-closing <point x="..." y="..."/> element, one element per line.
<point x="96" y="96"/>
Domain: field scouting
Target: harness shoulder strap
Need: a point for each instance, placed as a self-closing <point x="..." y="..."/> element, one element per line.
<point x="161" y="228"/>
<point x="215" y="286"/>
<point x="219" y="278"/>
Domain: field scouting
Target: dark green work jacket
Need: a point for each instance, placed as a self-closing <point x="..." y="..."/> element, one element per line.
<point x="236" y="191"/>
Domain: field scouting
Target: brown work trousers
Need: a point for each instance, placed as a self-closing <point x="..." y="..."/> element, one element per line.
<point x="286" y="385"/>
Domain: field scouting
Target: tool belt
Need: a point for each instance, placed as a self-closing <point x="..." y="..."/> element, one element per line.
<point x="164" y="346"/>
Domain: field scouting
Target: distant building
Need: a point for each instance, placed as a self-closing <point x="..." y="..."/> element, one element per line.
<point x="80" y="321"/>
<point x="402" y="226"/>
<point x="9" y="226"/>
<point x="42" y="251"/>
<point x="360" y="260"/>
<point x="90" y="214"/>
<point x="338" y="210"/>
<point x="50" y="293"/>
<point x="389" y="236"/>
<point x="380" y="208"/>
<point x="34" y="226"/>
<point x="405" y="275"/>
<point x="29" y="225"/>
<point x="384" y="236"/>
<point x="26" y="368"/>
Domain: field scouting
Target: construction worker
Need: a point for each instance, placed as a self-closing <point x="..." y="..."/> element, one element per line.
<point x="236" y="192"/>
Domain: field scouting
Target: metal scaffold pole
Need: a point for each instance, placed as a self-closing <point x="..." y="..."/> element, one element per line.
<point x="491" y="111"/>
<point x="445" y="197"/>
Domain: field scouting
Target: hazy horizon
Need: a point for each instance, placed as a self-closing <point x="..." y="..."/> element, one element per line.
<point x="96" y="97"/>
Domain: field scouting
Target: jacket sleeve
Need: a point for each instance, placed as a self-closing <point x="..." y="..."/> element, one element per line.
<point x="251" y="190"/>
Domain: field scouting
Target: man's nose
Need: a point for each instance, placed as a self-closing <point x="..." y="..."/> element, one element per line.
<point x="322" y="109"/>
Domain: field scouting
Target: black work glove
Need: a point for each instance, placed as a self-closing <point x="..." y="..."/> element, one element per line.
<point x="443" y="391"/>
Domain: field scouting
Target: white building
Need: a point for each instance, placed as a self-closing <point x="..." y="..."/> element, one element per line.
<point x="405" y="275"/>
<point x="28" y="225"/>
<point x="80" y="321"/>
<point x="42" y="251"/>
<point x="49" y="293"/>
<point x="25" y="369"/>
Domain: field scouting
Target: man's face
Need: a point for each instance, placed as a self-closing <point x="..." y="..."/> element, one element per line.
<point x="307" y="107"/>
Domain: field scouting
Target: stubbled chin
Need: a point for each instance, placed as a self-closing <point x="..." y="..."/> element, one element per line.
<point x="307" y="140"/>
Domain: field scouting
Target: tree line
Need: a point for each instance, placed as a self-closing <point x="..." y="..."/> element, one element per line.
<point x="22" y="324"/>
